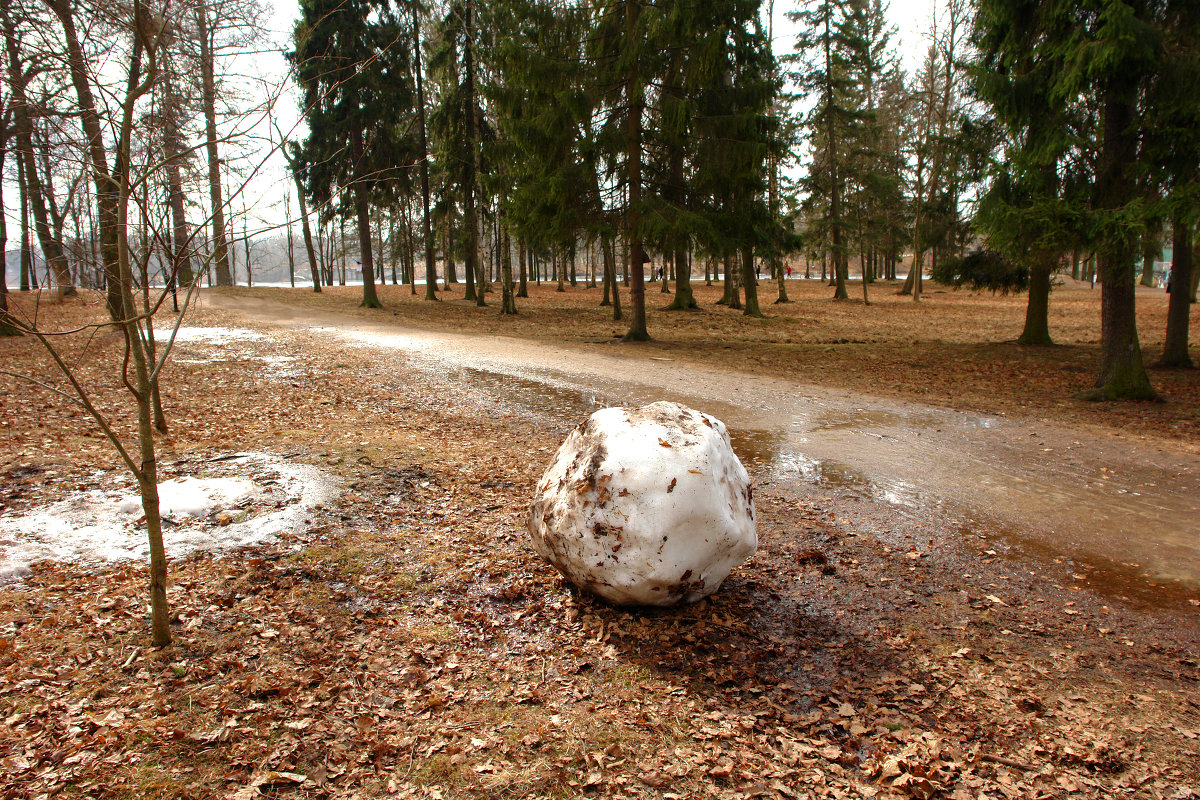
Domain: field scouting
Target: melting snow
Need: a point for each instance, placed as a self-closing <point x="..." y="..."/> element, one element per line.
<point x="101" y="526"/>
<point x="211" y="335"/>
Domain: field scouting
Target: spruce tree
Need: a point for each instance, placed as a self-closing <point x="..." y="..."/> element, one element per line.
<point x="351" y="60"/>
<point x="1026" y="212"/>
<point x="829" y="51"/>
<point x="1172" y="142"/>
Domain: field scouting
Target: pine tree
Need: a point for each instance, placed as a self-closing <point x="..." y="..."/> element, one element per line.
<point x="351" y="59"/>
<point x="829" y="51"/>
<point x="458" y="126"/>
<point x="1172" y="141"/>
<point x="1026" y="212"/>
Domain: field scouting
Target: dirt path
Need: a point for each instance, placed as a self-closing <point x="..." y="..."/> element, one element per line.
<point x="405" y="641"/>
<point x="1127" y="511"/>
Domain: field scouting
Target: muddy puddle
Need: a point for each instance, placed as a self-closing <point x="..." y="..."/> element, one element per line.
<point x="1126" y="513"/>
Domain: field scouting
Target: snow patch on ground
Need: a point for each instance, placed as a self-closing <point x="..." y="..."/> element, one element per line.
<point x="263" y="496"/>
<point x="221" y="343"/>
<point x="212" y="335"/>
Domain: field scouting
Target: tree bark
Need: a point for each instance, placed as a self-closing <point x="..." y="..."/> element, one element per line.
<point x="610" y="268"/>
<point x="1122" y="375"/>
<point x="1149" y="249"/>
<point x="471" y="219"/>
<point x="314" y="264"/>
<point x="105" y="183"/>
<point x="1175" y="348"/>
<point x="633" y="168"/>
<point x="208" y="92"/>
<point x="28" y="272"/>
<point x="750" y="283"/>
<point x="523" y="255"/>
<point x="508" y="305"/>
<point x="423" y="144"/>
<point x="52" y="250"/>
<point x="1037" y="310"/>
<point x="362" y="206"/>
<point x="6" y="326"/>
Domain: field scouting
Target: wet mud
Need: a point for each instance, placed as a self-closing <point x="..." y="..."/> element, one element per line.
<point x="1122" y="513"/>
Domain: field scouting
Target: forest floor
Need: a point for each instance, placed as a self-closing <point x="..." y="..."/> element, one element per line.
<point x="406" y="641"/>
<point x="954" y="348"/>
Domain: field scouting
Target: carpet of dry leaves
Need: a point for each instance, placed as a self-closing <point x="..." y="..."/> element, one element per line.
<point x="408" y="642"/>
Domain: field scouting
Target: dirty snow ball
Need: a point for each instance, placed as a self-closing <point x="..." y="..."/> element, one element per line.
<point x="645" y="506"/>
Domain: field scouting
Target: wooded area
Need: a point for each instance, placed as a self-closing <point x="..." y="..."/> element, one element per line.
<point x="661" y="178"/>
<point x="507" y="137"/>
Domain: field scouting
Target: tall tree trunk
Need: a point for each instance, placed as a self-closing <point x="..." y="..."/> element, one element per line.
<point x="208" y="94"/>
<point x="508" y="305"/>
<point x="6" y="326"/>
<point x="633" y="166"/>
<point x="1149" y="250"/>
<point x="734" y="280"/>
<point x="523" y="286"/>
<point x="1175" y="348"/>
<point x="370" y="298"/>
<point x="423" y="144"/>
<point x="728" y="289"/>
<point x="52" y="251"/>
<point x="471" y="221"/>
<point x="291" y="240"/>
<point x="610" y="270"/>
<point x="1122" y="374"/>
<point x="1037" y="311"/>
<point x="750" y="283"/>
<point x="28" y="273"/>
<point x="105" y="183"/>
<point x="246" y="246"/>
<point x="314" y="264"/>
<point x="451" y="270"/>
<point x="182" y="266"/>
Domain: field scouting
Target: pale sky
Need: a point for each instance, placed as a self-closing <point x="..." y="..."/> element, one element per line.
<point x="911" y="19"/>
<point x="265" y="191"/>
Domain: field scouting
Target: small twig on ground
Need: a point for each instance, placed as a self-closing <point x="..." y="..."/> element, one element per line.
<point x="1009" y="762"/>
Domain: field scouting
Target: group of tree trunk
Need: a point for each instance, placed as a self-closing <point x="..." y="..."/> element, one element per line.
<point x="97" y="128"/>
<point x="521" y="139"/>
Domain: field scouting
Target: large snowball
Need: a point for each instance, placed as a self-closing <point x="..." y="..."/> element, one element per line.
<point x="645" y="506"/>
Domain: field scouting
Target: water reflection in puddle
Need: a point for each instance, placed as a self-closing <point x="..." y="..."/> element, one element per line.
<point x="926" y="463"/>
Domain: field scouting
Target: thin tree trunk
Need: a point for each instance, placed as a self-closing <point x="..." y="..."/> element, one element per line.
<point x="422" y="143"/>
<point x="314" y="266"/>
<point x="28" y="274"/>
<point x="508" y="305"/>
<point x="52" y="250"/>
<point x="523" y="287"/>
<point x="208" y="94"/>
<point x="6" y="326"/>
<point x="147" y="472"/>
<point x="370" y="298"/>
<point x="1175" y="348"/>
<point x="633" y="158"/>
<point x="610" y="268"/>
<point x="471" y="221"/>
